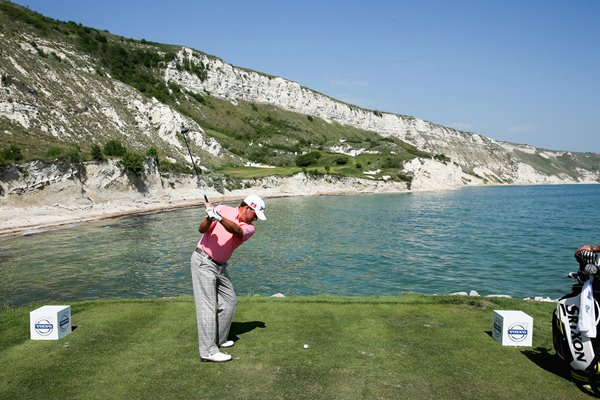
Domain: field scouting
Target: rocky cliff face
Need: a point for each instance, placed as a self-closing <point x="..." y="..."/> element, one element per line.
<point x="482" y="157"/>
<point x="39" y="194"/>
<point x="69" y="101"/>
<point x="50" y="87"/>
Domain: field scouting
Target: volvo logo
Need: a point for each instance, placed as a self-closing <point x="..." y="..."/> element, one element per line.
<point x="64" y="323"/>
<point x="44" y="327"/>
<point x="497" y="327"/>
<point x="517" y="332"/>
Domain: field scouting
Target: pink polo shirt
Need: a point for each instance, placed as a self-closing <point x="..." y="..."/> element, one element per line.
<point x="220" y="244"/>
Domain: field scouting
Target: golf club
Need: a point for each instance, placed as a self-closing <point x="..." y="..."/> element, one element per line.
<point x="185" y="130"/>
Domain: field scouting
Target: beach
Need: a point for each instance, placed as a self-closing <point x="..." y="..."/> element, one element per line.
<point x="41" y="210"/>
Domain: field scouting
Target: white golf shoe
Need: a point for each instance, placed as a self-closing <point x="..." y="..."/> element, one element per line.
<point x="217" y="357"/>
<point x="227" y="344"/>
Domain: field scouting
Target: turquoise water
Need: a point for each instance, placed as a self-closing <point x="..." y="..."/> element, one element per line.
<point x="516" y="240"/>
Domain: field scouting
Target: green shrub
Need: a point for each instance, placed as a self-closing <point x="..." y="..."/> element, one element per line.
<point x="199" y="98"/>
<point x="133" y="163"/>
<point x="341" y="160"/>
<point x="96" y="153"/>
<point x="176" y="168"/>
<point x="304" y="160"/>
<point x="391" y="162"/>
<point x="12" y="153"/>
<point x="198" y="69"/>
<point x="53" y="152"/>
<point x="74" y="155"/>
<point x="152" y="152"/>
<point x="405" y="177"/>
<point x="114" y="148"/>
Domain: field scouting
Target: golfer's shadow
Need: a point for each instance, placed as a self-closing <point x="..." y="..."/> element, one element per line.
<point x="545" y="360"/>
<point x="239" y="328"/>
<point x="548" y="361"/>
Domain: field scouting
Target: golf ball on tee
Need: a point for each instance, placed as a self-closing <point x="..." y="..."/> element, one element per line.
<point x="305" y="346"/>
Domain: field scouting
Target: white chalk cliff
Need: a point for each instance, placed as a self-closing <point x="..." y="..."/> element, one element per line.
<point x="65" y="98"/>
<point x="482" y="157"/>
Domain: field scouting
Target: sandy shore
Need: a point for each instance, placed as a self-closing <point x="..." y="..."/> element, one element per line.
<point x="46" y="205"/>
<point x="16" y="221"/>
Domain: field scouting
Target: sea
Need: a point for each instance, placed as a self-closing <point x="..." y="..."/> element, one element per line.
<point x="499" y="240"/>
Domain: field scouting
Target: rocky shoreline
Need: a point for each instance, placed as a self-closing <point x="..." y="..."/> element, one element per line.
<point x="38" y="196"/>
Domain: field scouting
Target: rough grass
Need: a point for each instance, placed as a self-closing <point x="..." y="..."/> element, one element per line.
<point x="410" y="346"/>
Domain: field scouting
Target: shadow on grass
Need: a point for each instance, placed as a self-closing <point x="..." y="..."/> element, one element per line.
<point x="239" y="328"/>
<point x="548" y="361"/>
<point x="552" y="363"/>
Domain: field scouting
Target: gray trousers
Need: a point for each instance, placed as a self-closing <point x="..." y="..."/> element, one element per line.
<point x="215" y="301"/>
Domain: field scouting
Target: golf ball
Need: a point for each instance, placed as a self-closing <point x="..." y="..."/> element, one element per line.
<point x="305" y="346"/>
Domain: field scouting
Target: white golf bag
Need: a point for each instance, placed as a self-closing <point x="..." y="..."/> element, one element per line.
<point x="575" y="339"/>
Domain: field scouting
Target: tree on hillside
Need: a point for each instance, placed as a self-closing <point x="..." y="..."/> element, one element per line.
<point x="114" y="148"/>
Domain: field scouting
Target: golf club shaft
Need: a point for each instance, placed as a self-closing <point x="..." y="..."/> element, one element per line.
<point x="190" y="153"/>
<point x="183" y="132"/>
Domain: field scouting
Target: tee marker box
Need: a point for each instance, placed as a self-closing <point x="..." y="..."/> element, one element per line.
<point x="512" y="328"/>
<point x="50" y="322"/>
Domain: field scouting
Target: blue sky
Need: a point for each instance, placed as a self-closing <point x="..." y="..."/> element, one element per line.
<point x="513" y="70"/>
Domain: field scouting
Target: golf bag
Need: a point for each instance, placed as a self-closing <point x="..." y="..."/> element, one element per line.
<point x="571" y="343"/>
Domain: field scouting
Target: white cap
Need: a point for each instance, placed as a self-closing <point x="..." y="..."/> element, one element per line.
<point x="257" y="204"/>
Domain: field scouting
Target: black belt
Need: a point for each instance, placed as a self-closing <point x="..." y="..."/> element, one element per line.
<point x="200" y="251"/>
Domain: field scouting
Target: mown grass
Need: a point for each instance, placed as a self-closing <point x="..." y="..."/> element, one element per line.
<point x="410" y="346"/>
<point x="257" y="172"/>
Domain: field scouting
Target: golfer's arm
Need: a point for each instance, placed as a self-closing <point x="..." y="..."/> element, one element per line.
<point x="204" y="225"/>
<point x="232" y="228"/>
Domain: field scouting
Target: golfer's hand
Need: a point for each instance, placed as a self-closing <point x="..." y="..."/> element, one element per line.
<point x="210" y="212"/>
<point x="216" y="216"/>
<point x="213" y="214"/>
<point x="209" y="207"/>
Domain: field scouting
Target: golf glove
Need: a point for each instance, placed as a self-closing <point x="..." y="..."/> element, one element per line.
<point x="213" y="214"/>
<point x="210" y="213"/>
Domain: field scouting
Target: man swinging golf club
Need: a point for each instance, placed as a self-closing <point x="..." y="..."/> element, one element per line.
<point x="224" y="229"/>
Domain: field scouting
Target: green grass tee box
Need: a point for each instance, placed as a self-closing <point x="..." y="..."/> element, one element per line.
<point x="405" y="347"/>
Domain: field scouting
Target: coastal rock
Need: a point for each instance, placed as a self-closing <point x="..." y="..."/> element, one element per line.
<point x="544" y="299"/>
<point x="481" y="159"/>
<point x="73" y="101"/>
<point x="40" y="194"/>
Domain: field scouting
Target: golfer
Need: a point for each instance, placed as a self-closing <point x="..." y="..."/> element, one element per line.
<point x="224" y="229"/>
